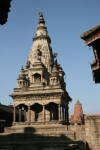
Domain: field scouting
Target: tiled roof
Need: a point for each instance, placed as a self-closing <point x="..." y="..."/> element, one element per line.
<point x="90" y="31"/>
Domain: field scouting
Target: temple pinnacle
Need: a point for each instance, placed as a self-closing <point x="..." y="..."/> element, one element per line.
<point x="41" y="19"/>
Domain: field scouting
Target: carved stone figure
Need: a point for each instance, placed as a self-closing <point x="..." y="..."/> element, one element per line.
<point x="37" y="79"/>
<point x="51" y="61"/>
<point x="55" y="55"/>
<point x="27" y="64"/>
<point x="38" y="52"/>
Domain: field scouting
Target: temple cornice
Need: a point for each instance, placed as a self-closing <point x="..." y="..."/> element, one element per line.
<point x="42" y="37"/>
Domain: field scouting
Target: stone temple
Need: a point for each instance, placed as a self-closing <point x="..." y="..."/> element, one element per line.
<point x="41" y="90"/>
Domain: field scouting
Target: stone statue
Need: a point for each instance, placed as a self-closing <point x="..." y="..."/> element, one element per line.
<point x="50" y="61"/>
<point x="37" y="79"/>
<point x="38" y="52"/>
<point x="27" y="64"/>
<point x="55" y="55"/>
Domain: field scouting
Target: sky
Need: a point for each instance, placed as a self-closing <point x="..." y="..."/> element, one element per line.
<point x="65" y="19"/>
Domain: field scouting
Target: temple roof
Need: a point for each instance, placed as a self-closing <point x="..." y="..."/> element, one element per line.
<point x="91" y="35"/>
<point x="90" y="31"/>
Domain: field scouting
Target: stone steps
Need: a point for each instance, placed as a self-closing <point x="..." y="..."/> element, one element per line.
<point x="59" y="134"/>
<point x="34" y="128"/>
<point x="37" y="132"/>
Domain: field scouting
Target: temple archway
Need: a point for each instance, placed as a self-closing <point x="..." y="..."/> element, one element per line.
<point x="52" y="111"/>
<point x="23" y="113"/>
<point x="36" y="112"/>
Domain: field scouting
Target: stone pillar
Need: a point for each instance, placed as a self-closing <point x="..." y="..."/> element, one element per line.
<point x="29" y="114"/>
<point x="43" y="113"/>
<point x="52" y="81"/>
<point x="14" y="114"/>
<point x="34" y="116"/>
<point x="65" y="114"/>
<point x="59" y="111"/>
<point x="62" y="113"/>
<point x="54" y="111"/>
<point x="24" y="115"/>
<point x="52" y="114"/>
<point x="20" y="115"/>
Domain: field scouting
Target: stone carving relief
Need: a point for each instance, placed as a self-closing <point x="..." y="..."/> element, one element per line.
<point x="51" y="61"/>
<point x="55" y="55"/>
<point x="27" y="64"/>
<point x="38" y="53"/>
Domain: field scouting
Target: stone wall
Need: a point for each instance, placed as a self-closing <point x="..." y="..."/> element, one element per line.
<point x="79" y="131"/>
<point x="92" y="128"/>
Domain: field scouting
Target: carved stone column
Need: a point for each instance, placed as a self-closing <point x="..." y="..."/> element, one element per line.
<point x="52" y="81"/>
<point x="41" y="77"/>
<point x="33" y="116"/>
<point x="14" y="114"/>
<point x="43" y="113"/>
<point x="20" y="115"/>
<point x="59" y="111"/>
<point x="62" y="113"/>
<point x="29" y="114"/>
<point x="54" y="111"/>
<point x="65" y="114"/>
<point x="24" y="115"/>
<point x="52" y="114"/>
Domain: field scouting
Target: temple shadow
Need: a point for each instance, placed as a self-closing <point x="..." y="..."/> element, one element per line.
<point x="30" y="140"/>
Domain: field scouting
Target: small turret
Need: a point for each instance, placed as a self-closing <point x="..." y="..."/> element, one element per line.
<point x="54" y="79"/>
<point x="22" y="81"/>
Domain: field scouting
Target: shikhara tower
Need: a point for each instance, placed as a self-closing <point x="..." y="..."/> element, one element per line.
<point x="41" y="90"/>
